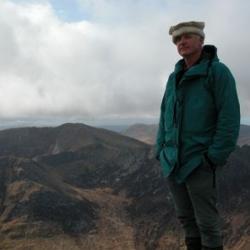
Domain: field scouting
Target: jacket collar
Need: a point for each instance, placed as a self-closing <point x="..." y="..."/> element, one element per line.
<point x="209" y="52"/>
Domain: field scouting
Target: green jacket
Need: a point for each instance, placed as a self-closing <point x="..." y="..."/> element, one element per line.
<point x="200" y="115"/>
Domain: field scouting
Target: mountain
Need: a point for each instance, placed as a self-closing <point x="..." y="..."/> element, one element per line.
<point x="79" y="187"/>
<point x="68" y="137"/>
<point x="57" y="181"/>
<point x="147" y="133"/>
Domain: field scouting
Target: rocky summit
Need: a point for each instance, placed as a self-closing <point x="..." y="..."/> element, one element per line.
<point x="79" y="187"/>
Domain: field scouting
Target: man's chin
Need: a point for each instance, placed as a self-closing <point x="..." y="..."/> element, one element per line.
<point x="184" y="54"/>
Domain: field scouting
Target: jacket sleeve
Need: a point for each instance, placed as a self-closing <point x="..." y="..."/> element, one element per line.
<point x="161" y="131"/>
<point x="228" y="115"/>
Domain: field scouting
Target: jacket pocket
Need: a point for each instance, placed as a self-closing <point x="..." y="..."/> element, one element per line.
<point x="207" y="163"/>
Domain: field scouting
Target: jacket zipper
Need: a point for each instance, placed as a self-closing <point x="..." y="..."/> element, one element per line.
<point x="175" y="116"/>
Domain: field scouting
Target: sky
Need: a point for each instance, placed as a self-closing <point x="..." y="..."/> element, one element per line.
<point x="106" y="61"/>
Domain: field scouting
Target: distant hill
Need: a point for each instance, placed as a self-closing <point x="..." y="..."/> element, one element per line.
<point x="79" y="187"/>
<point x="244" y="136"/>
<point x="115" y="128"/>
<point x="142" y="132"/>
<point x="32" y="141"/>
<point x="147" y="133"/>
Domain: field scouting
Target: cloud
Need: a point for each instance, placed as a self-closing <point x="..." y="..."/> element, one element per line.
<point x="114" y="64"/>
<point x="83" y="68"/>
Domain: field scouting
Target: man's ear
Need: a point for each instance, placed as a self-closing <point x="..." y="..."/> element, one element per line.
<point x="202" y="40"/>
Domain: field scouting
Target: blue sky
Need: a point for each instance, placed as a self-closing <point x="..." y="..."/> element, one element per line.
<point x="106" y="60"/>
<point x="67" y="10"/>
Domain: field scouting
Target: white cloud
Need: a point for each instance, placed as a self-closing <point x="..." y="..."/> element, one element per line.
<point x="113" y="65"/>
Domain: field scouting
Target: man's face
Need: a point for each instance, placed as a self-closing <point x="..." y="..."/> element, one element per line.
<point x="189" y="44"/>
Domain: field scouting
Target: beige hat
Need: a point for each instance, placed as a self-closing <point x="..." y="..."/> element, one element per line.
<point x="187" y="27"/>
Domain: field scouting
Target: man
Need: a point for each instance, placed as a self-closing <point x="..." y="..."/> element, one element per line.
<point x="198" y="129"/>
